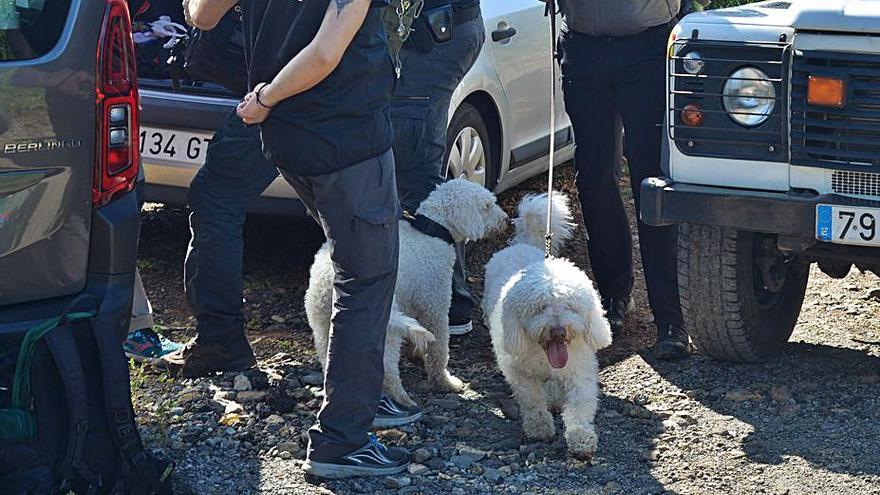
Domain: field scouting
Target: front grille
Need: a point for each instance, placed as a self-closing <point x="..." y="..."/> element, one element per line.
<point x="855" y="183"/>
<point x="841" y="138"/>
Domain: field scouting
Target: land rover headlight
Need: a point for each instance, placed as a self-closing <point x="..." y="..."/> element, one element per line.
<point x="749" y="96"/>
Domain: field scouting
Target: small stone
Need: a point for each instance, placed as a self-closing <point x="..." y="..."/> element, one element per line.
<point x="505" y="471"/>
<point x="176" y="411"/>
<point x="288" y="446"/>
<point x="462" y="461"/>
<point x="274" y="423"/>
<point x="250" y="396"/>
<point x="417" y="469"/>
<point x="397" y="482"/>
<point x="780" y="394"/>
<point x="873" y="294"/>
<point x="285" y="455"/>
<point x="188" y="395"/>
<point x="241" y="383"/>
<point x="313" y="379"/>
<point x="612" y="487"/>
<point x="492" y="475"/>
<point x="742" y="395"/>
<point x="277" y="318"/>
<point x="870" y="379"/>
<point x="422" y="455"/>
<point x="475" y="454"/>
<point x="448" y="403"/>
<point x="232" y="407"/>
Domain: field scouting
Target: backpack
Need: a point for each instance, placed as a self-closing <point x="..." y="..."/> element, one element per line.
<point x="66" y="419"/>
<point x="399" y="18"/>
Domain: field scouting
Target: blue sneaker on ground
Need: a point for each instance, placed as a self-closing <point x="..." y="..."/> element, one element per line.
<point x="148" y="346"/>
<point x="391" y="414"/>
<point x="373" y="459"/>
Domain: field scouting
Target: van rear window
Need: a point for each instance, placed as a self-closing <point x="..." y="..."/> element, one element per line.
<point x="30" y="28"/>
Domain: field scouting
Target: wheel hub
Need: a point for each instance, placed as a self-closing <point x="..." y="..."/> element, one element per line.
<point x="467" y="157"/>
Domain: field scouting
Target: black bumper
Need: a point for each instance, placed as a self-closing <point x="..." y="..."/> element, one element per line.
<point x="665" y="202"/>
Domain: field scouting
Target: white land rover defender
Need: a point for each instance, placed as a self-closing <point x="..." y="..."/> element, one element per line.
<point x="774" y="163"/>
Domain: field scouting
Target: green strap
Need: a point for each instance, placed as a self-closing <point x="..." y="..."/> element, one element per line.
<point x="17" y="422"/>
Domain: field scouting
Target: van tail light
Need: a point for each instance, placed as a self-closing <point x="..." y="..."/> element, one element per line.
<point x="117" y="155"/>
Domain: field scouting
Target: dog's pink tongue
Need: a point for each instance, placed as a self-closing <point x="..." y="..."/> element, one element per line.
<point x="557" y="354"/>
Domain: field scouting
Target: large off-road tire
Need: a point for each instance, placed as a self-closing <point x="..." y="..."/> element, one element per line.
<point x="732" y="308"/>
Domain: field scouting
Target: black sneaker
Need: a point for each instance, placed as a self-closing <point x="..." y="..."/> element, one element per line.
<point x="616" y="309"/>
<point x="373" y="459"/>
<point x="391" y="414"/>
<point x="460" y="326"/>
<point x="201" y="358"/>
<point x="672" y="342"/>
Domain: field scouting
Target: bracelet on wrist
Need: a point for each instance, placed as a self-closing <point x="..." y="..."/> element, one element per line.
<point x="259" y="100"/>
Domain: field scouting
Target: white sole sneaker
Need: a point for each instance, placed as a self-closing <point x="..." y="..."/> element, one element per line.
<point x="461" y="329"/>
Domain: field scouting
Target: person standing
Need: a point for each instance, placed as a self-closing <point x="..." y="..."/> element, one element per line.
<point x="430" y="73"/>
<point x="321" y="80"/>
<point x="613" y="59"/>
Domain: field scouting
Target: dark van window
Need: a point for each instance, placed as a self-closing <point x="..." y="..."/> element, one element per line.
<point x="30" y="28"/>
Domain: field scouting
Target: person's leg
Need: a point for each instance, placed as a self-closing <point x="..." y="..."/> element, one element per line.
<point x="640" y="95"/>
<point x="589" y="102"/>
<point x="142" y="343"/>
<point x="235" y="172"/>
<point x="358" y="210"/>
<point x="420" y="113"/>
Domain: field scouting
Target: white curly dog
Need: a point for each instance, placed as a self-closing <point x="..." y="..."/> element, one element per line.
<point x="546" y="323"/>
<point x="424" y="283"/>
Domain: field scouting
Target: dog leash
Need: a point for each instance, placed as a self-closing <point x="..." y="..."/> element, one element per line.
<point x="550" y="11"/>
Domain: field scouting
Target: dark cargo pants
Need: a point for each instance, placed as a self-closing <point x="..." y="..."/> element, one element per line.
<point x="358" y="209"/>
<point x="235" y="173"/>
<point x="420" y="112"/>
<point x="604" y="76"/>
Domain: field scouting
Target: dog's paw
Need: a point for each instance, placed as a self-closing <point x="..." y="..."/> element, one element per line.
<point x="582" y="442"/>
<point x="539" y="426"/>
<point x="447" y="383"/>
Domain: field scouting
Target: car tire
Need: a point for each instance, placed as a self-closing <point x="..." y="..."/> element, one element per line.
<point x="468" y="129"/>
<point x="730" y="309"/>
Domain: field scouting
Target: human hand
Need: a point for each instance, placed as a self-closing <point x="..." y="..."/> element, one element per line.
<point x="250" y="109"/>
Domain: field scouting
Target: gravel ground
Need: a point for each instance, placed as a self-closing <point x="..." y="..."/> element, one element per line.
<point x="808" y="422"/>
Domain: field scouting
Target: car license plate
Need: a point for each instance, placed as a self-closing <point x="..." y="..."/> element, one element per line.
<point x="848" y="225"/>
<point x="174" y="145"/>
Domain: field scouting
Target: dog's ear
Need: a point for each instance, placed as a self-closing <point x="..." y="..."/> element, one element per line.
<point x="514" y="334"/>
<point x="466" y="224"/>
<point x="598" y="331"/>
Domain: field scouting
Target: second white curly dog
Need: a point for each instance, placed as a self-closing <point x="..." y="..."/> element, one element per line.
<point x="546" y="323"/>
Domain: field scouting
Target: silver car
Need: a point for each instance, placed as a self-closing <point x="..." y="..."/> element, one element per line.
<point x="498" y="126"/>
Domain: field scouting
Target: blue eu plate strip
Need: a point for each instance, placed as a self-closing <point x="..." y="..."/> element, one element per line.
<point x="823" y="222"/>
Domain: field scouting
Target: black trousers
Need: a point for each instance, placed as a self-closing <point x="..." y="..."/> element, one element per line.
<point x="604" y="77"/>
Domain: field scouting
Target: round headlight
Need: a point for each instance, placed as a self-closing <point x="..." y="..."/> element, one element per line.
<point x="749" y="96"/>
<point x="693" y="63"/>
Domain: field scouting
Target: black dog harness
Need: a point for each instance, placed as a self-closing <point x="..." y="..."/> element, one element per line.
<point x="429" y="227"/>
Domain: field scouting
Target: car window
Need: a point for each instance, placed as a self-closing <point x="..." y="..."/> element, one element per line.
<point x="30" y="28"/>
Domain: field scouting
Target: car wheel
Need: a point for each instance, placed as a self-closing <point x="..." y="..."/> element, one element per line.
<point x="468" y="149"/>
<point x="740" y="295"/>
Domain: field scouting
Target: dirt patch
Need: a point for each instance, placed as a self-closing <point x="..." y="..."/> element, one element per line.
<point x="808" y="422"/>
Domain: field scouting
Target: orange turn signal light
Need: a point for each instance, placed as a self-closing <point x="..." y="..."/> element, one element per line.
<point x="692" y="115"/>
<point x="826" y="91"/>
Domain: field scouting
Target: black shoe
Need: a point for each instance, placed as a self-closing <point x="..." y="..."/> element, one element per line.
<point x="391" y="414"/>
<point x="672" y="342"/>
<point x="201" y="358"/>
<point x="460" y="326"/>
<point x="616" y="309"/>
<point x="373" y="459"/>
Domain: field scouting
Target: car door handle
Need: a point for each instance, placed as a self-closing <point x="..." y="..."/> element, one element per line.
<point x="503" y="34"/>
